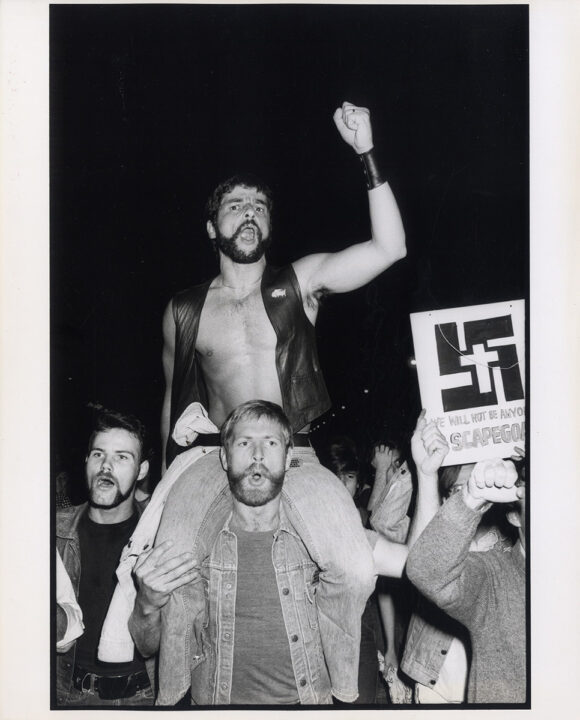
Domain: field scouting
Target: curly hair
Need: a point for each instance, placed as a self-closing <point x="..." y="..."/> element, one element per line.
<point x="246" y="180"/>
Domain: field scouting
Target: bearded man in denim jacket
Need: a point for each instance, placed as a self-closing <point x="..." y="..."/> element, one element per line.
<point x="248" y="625"/>
<point x="256" y="627"/>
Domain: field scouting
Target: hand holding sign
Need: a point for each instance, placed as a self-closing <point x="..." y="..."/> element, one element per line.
<point x="428" y="446"/>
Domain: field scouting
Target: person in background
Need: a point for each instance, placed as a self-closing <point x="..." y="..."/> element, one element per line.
<point x="393" y="490"/>
<point x="342" y="459"/>
<point x="485" y="591"/>
<point x="89" y="540"/>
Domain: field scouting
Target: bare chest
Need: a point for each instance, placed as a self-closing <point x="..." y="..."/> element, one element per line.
<point x="234" y="325"/>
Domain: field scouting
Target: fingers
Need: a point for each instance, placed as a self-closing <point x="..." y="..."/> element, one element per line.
<point x="495" y="480"/>
<point x="350" y="116"/>
<point x="181" y="580"/>
<point x="162" y="574"/>
<point x="433" y="438"/>
<point x="153" y="556"/>
<point x="519" y="454"/>
<point x="348" y="108"/>
<point x="421" y="421"/>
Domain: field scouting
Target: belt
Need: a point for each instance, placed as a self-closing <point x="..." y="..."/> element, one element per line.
<point x="110" y="687"/>
<point x="213" y="439"/>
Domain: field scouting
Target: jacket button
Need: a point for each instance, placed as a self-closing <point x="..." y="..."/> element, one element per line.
<point x="224" y="686"/>
<point x="294" y="638"/>
<point x="227" y="636"/>
<point x="302" y="682"/>
<point x="431" y="682"/>
<point x="443" y="652"/>
<point x="285" y="591"/>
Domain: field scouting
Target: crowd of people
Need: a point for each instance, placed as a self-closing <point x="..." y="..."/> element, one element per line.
<point x="249" y="576"/>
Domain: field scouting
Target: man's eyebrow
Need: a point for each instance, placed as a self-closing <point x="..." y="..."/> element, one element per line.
<point x="117" y="452"/>
<point x="239" y="199"/>
<point x="125" y="452"/>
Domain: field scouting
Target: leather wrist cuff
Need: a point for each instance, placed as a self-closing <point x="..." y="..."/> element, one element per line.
<point x="371" y="169"/>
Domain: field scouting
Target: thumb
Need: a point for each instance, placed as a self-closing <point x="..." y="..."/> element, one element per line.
<point x="421" y="421"/>
<point x="337" y="117"/>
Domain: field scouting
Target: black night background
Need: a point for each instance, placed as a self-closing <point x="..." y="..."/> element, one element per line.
<point x="151" y="106"/>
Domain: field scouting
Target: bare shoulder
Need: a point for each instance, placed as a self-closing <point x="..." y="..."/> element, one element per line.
<point x="306" y="270"/>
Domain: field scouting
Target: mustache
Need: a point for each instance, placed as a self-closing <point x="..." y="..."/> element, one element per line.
<point x="104" y="475"/>
<point x="257" y="469"/>
<point x="249" y="224"/>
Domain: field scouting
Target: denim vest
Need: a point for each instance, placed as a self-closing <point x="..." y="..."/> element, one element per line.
<point x="213" y="625"/>
<point x="304" y="394"/>
<point x="67" y="544"/>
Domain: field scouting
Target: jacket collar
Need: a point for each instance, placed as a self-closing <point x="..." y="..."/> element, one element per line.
<point x="284" y="526"/>
<point x="67" y="521"/>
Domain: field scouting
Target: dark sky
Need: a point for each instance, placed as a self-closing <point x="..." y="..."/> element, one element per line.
<point x="151" y="106"/>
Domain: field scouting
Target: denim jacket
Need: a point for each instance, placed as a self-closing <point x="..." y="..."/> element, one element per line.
<point x="67" y="543"/>
<point x="214" y="625"/>
<point x="429" y="637"/>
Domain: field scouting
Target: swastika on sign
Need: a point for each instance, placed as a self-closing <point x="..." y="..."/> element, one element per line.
<point x="478" y="363"/>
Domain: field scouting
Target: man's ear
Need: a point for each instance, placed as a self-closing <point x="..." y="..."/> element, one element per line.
<point x="513" y="517"/>
<point x="210" y="229"/>
<point x="289" y="458"/>
<point x="223" y="458"/>
<point x="143" y="470"/>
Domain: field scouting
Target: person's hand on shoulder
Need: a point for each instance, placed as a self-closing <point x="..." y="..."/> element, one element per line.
<point x="157" y="575"/>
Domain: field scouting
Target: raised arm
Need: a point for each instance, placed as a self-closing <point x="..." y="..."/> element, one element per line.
<point x="391" y="494"/>
<point x="440" y="564"/>
<point x="167" y="358"/>
<point x="358" y="264"/>
<point x="429" y="448"/>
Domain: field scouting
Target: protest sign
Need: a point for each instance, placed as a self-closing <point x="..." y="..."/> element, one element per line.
<point x="471" y="370"/>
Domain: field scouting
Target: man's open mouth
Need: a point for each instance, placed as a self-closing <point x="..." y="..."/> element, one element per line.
<point x="248" y="232"/>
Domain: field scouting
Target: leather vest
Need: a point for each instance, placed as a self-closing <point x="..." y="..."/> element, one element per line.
<point x="304" y="393"/>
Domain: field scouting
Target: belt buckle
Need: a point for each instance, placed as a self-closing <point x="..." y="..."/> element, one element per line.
<point x="91" y="684"/>
<point x="114" y="688"/>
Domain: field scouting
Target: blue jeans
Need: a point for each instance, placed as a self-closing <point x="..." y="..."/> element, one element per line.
<point x="322" y="513"/>
<point x="86" y="698"/>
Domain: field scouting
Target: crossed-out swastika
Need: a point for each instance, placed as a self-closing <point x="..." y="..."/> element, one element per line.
<point x="478" y="363"/>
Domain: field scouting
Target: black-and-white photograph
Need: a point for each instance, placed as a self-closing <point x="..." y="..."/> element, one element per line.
<point x="262" y="505"/>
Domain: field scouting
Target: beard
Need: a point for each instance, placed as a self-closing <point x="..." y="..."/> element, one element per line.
<point x="118" y="498"/>
<point x="230" y="248"/>
<point x="244" y="492"/>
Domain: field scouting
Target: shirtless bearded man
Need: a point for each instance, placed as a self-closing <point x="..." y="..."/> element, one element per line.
<point x="248" y="334"/>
